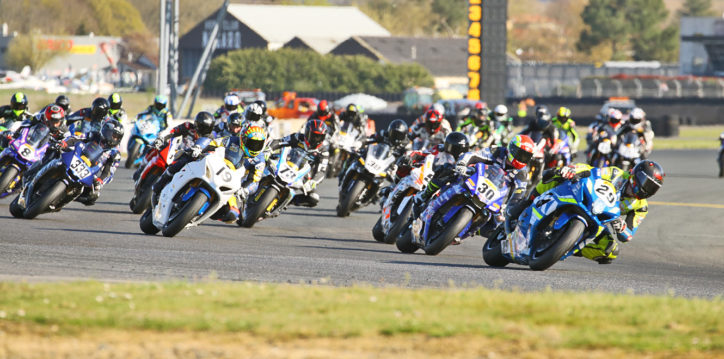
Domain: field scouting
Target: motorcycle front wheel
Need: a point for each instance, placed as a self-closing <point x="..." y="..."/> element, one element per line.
<point x="40" y="203"/>
<point x="257" y="208"/>
<point x="8" y="177"/>
<point x="143" y="200"/>
<point x="448" y="232"/>
<point x="178" y="221"/>
<point x="492" y="253"/>
<point x="133" y="153"/>
<point x="545" y="253"/>
<point x="146" y="222"/>
<point x="399" y="223"/>
<point x="348" y="199"/>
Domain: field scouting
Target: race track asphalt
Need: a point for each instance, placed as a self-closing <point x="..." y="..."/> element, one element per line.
<point x="678" y="250"/>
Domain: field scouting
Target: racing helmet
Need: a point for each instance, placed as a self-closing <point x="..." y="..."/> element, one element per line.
<point x="637" y="116"/>
<point x="456" y="143"/>
<point x="433" y="121"/>
<point x="19" y="102"/>
<point x="234" y="122"/>
<point x="204" y="123"/>
<point x="159" y="102"/>
<point x="253" y="113"/>
<point x="112" y="132"/>
<point x="253" y="140"/>
<point x="520" y="151"/>
<point x="53" y="116"/>
<point x="315" y="132"/>
<point x="231" y="102"/>
<point x="397" y="133"/>
<point x="116" y="101"/>
<point x="646" y="179"/>
<point x="323" y="108"/>
<point x="564" y="113"/>
<point x="261" y="104"/>
<point x="614" y="116"/>
<point x="99" y="109"/>
<point x="500" y="113"/>
<point x="64" y="102"/>
<point x="542" y="118"/>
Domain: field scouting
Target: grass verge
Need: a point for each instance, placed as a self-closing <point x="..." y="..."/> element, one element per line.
<point x="541" y="322"/>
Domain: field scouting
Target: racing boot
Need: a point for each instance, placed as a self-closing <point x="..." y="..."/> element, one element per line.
<point x="603" y="250"/>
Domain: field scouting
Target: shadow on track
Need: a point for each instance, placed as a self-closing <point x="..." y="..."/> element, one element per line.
<point x="438" y="264"/>
<point x="347" y="249"/>
<point x="96" y="231"/>
<point x="95" y="210"/>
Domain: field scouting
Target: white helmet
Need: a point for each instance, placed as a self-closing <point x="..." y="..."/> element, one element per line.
<point x="500" y="112"/>
<point x="231" y="101"/>
<point x="636" y="116"/>
<point x="439" y="108"/>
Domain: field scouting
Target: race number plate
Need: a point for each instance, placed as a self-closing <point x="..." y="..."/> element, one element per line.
<point x="79" y="168"/>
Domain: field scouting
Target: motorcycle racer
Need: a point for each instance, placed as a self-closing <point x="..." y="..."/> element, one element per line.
<point x="503" y="124"/>
<point x="158" y="109"/>
<point x="564" y="121"/>
<point x="15" y="113"/>
<point x="116" y="110"/>
<point x="638" y="124"/>
<point x="89" y="119"/>
<point x="634" y="187"/>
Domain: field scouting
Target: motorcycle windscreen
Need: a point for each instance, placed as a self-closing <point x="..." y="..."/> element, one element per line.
<point x="93" y="151"/>
<point x="496" y="175"/>
<point x="233" y="152"/>
<point x="297" y="157"/>
<point x="348" y="128"/>
<point x="378" y="150"/>
<point x="38" y="135"/>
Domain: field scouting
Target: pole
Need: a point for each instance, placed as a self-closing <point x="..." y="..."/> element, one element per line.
<point x="163" y="51"/>
<point x="174" y="56"/>
<point x="197" y="91"/>
<point x="204" y="56"/>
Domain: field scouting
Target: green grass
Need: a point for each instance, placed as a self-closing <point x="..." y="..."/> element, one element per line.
<point x="546" y="319"/>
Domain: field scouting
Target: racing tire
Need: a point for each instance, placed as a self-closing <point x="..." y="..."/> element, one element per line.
<point x="8" y="177"/>
<point x="15" y="209"/>
<point x="721" y="164"/>
<point x="492" y="253"/>
<point x="347" y="200"/>
<point x="257" y="208"/>
<point x="178" y="221"/>
<point x="378" y="232"/>
<point x="404" y="242"/>
<point x="567" y="238"/>
<point x="40" y="203"/>
<point x="146" y="222"/>
<point x="399" y="224"/>
<point x="142" y="201"/>
<point x="334" y="166"/>
<point x="452" y="228"/>
<point x="133" y="153"/>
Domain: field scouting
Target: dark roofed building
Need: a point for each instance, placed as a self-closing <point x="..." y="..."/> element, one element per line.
<point x="445" y="58"/>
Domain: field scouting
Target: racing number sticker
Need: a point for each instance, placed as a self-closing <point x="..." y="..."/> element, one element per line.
<point x="487" y="190"/>
<point x="605" y="190"/>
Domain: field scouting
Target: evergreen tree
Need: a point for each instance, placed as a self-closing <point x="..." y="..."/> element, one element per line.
<point x="696" y="8"/>
<point x="605" y="25"/>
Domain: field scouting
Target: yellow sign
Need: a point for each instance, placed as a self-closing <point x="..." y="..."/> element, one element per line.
<point x="83" y="49"/>
<point x="475" y="16"/>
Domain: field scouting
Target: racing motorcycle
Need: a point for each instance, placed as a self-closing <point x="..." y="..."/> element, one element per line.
<point x="397" y="207"/>
<point x="283" y="179"/>
<point x="556" y="225"/>
<point x="158" y="161"/>
<point x="344" y="143"/>
<point x="458" y="211"/>
<point x="628" y="152"/>
<point x="194" y="194"/>
<point x="59" y="182"/>
<point x="145" y="131"/>
<point x="600" y="154"/>
<point x="363" y="178"/>
<point x="20" y="154"/>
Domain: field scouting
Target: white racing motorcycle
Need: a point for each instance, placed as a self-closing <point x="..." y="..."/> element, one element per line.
<point x="398" y="205"/>
<point x="364" y="177"/>
<point x="283" y="178"/>
<point x="194" y="194"/>
<point x="344" y="143"/>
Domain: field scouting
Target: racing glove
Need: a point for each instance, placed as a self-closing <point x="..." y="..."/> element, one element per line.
<point x="196" y="151"/>
<point x="567" y="172"/>
<point x="97" y="184"/>
<point x="157" y="144"/>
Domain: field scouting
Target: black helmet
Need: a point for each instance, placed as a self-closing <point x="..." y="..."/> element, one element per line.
<point x="99" y="109"/>
<point x="19" y="102"/>
<point x="315" y="131"/>
<point x="646" y="178"/>
<point x="456" y="143"/>
<point x="204" y="123"/>
<point x="234" y="123"/>
<point x="112" y="132"/>
<point x="64" y="102"/>
<point x="262" y="104"/>
<point x="253" y="112"/>
<point x="397" y="132"/>
<point x="542" y="118"/>
<point x="115" y="100"/>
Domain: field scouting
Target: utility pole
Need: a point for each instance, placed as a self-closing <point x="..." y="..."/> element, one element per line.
<point x="162" y="74"/>
<point x="173" y="11"/>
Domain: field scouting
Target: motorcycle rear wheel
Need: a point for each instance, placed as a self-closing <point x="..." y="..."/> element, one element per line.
<point x="347" y="200"/>
<point x="40" y="203"/>
<point x="404" y="242"/>
<point x="567" y="238"/>
<point x="452" y="228"/>
<point x="133" y="153"/>
<point x="190" y="210"/>
<point x="15" y="209"/>
<point x="377" y="231"/>
<point x="257" y="208"/>
<point x="143" y="200"/>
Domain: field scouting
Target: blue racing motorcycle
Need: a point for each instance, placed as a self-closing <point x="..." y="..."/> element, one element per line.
<point x="23" y="152"/>
<point x="60" y="181"/>
<point x="145" y="131"/>
<point x="459" y="211"/>
<point x="557" y="224"/>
